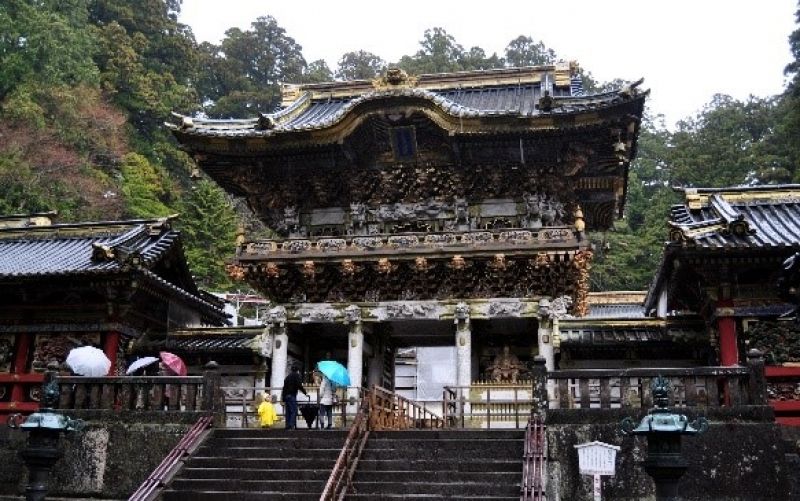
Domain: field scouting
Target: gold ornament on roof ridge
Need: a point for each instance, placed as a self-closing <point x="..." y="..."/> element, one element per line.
<point x="395" y="78"/>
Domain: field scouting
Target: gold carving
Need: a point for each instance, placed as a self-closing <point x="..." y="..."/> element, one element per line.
<point x="394" y="78"/>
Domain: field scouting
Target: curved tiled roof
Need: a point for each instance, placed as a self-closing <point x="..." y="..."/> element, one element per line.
<point x="72" y="249"/>
<point x="740" y="218"/>
<point x="316" y="111"/>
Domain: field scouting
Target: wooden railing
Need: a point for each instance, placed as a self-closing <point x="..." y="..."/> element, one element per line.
<point x="131" y="393"/>
<point x="389" y="411"/>
<point x="533" y="460"/>
<point x="630" y="388"/>
<point x="242" y="403"/>
<point x="342" y="474"/>
<point x="501" y="405"/>
<point x="150" y="488"/>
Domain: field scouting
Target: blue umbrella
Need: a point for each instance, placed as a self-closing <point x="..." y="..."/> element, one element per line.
<point x="334" y="371"/>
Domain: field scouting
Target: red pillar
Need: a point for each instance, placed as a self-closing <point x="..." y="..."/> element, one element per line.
<point x="20" y="360"/>
<point x="110" y="348"/>
<point x="726" y="324"/>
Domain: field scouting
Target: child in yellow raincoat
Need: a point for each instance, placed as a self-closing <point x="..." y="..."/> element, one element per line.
<point x="266" y="413"/>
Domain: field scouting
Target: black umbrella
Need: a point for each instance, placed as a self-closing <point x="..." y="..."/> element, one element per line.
<point x="309" y="412"/>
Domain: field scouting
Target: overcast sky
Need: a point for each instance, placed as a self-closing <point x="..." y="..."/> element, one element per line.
<point x="687" y="50"/>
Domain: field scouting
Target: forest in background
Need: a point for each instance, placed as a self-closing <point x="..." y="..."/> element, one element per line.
<point x="85" y="86"/>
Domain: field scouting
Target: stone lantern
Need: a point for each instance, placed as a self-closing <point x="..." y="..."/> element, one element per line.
<point x="664" y="431"/>
<point x="44" y="429"/>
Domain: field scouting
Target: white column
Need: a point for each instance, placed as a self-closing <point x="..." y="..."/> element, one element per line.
<point x="280" y="348"/>
<point x="548" y="319"/>
<point x="463" y="345"/>
<point x="355" y="350"/>
<point x="545" y="338"/>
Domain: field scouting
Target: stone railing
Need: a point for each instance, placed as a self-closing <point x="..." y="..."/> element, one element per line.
<point x="126" y="394"/>
<point x="710" y="387"/>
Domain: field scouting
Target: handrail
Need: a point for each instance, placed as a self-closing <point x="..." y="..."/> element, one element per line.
<point x="157" y="479"/>
<point x="533" y="457"/>
<point x="389" y="411"/>
<point x="342" y="474"/>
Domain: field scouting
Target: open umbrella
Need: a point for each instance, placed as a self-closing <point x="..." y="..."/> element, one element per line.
<point x="88" y="361"/>
<point x="173" y="363"/>
<point x="334" y="371"/>
<point x="140" y="363"/>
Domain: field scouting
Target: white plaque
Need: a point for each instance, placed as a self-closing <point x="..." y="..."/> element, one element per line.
<point x="597" y="458"/>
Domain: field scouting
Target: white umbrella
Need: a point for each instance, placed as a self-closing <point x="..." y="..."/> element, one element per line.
<point x="138" y="364"/>
<point x="88" y="361"/>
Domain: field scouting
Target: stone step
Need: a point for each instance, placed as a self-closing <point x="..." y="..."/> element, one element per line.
<point x="280" y="463"/>
<point x="268" y="452"/>
<point x="452" y="465"/>
<point x="278" y="433"/>
<point x="433" y="453"/>
<point x="465" y="434"/>
<point x="190" y="495"/>
<point x="427" y="497"/>
<point x="439" y="476"/>
<point x="238" y="485"/>
<point x="447" y="444"/>
<point x="267" y="473"/>
<point x="296" y="442"/>
<point x="449" y="488"/>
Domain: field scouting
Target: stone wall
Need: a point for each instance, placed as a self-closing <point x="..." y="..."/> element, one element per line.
<point x="109" y="459"/>
<point x="740" y="457"/>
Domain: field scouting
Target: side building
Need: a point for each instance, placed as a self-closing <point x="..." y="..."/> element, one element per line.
<point x="103" y="284"/>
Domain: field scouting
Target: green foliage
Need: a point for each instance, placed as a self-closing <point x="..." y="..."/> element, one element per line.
<point x="440" y="53"/>
<point x="524" y="51"/>
<point x="245" y="69"/>
<point x="147" y="188"/>
<point x="793" y="68"/>
<point x="360" y="65"/>
<point x="44" y="44"/>
<point x="317" y="71"/>
<point x="208" y="225"/>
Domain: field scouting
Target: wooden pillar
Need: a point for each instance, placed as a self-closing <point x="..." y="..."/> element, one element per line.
<point x="110" y="348"/>
<point x="20" y="360"/>
<point x="726" y="325"/>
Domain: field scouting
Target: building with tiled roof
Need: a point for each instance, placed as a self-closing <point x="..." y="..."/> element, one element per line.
<point x="723" y="263"/>
<point x="96" y="283"/>
<point x="404" y="204"/>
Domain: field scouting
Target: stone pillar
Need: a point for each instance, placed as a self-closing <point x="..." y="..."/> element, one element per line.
<point x="758" y="380"/>
<point x="280" y="348"/>
<point x="355" y="350"/>
<point x="463" y="345"/>
<point x="549" y="313"/>
<point x="726" y="325"/>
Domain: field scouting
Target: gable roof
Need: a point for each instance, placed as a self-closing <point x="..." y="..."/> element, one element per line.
<point x="523" y="93"/>
<point x="738" y="219"/>
<point x="744" y="217"/>
<point x="101" y="248"/>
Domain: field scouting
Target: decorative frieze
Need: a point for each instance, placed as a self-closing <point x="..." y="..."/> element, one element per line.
<point x="408" y="310"/>
<point x="318" y="313"/>
<point x="430" y="242"/>
<point x="498" y="308"/>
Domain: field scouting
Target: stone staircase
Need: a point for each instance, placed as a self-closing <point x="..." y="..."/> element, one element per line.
<point x="443" y="464"/>
<point x="253" y="464"/>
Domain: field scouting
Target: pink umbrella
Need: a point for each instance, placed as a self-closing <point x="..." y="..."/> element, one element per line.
<point x="173" y="363"/>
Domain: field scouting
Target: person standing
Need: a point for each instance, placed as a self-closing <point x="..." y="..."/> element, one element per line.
<point x="326" y="393"/>
<point x="291" y="385"/>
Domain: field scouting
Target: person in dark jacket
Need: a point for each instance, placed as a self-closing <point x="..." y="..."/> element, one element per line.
<point x="291" y="385"/>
